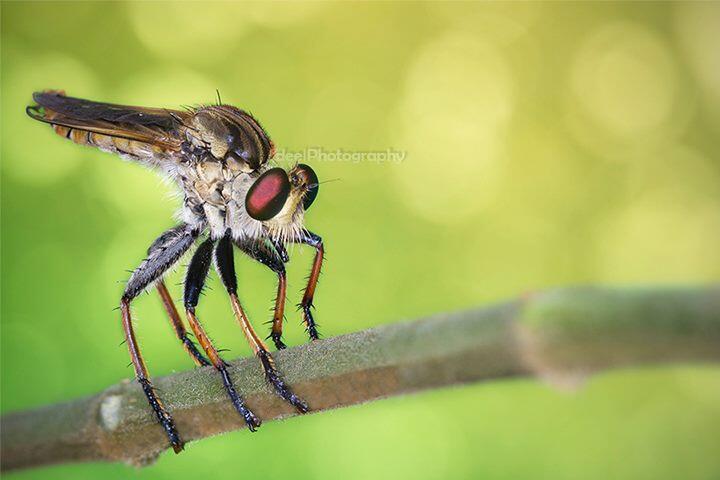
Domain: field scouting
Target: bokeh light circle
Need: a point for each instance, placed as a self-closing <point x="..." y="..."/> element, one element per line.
<point x="697" y="25"/>
<point x="457" y="104"/>
<point x="504" y="22"/>
<point x="624" y="79"/>
<point x="669" y="229"/>
<point x="203" y="31"/>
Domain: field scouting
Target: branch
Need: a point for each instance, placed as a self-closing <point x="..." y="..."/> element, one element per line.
<point x="561" y="335"/>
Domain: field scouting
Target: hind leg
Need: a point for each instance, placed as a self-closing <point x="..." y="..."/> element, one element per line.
<point x="179" y="327"/>
<point x="162" y="255"/>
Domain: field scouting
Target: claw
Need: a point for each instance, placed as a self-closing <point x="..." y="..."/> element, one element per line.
<point x="250" y="419"/>
<point x="310" y="325"/>
<point x="281" y="388"/>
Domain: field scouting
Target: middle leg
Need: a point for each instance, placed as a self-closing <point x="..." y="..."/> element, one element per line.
<point x="224" y="263"/>
<point x="194" y="281"/>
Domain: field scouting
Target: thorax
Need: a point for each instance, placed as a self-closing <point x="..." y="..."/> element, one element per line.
<point x="214" y="196"/>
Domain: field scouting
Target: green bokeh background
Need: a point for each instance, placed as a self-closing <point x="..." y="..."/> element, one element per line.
<point x="546" y="144"/>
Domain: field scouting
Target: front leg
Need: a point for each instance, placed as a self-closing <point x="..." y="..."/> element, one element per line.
<point x="273" y="258"/>
<point x="309" y="238"/>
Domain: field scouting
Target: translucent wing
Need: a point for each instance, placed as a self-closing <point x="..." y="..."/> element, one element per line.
<point x="134" y="131"/>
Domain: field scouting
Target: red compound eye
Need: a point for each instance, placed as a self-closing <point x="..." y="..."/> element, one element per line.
<point x="267" y="195"/>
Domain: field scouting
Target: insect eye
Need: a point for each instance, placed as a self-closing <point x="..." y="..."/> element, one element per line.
<point x="267" y="195"/>
<point x="310" y="179"/>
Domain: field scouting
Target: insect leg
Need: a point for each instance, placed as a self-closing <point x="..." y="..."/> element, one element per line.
<point x="309" y="238"/>
<point x="178" y="326"/>
<point x="273" y="259"/>
<point x="226" y="270"/>
<point x="280" y="249"/>
<point x="196" y="274"/>
<point x="163" y="254"/>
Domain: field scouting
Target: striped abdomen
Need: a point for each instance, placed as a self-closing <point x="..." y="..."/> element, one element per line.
<point x="122" y="146"/>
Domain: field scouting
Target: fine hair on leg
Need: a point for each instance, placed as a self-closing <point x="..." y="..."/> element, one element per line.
<point x="194" y="281"/>
<point x="224" y="263"/>
<point x="162" y="255"/>
<point x="306" y="305"/>
<point x="271" y="257"/>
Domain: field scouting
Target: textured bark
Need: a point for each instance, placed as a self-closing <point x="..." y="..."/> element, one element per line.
<point x="561" y="335"/>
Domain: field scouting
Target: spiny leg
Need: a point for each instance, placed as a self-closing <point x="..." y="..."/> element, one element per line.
<point x="280" y="249"/>
<point x="194" y="281"/>
<point x="178" y="326"/>
<point x="162" y="255"/>
<point x="309" y="238"/>
<point x="273" y="259"/>
<point x="226" y="269"/>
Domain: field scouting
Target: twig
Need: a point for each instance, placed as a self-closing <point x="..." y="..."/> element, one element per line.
<point x="561" y="335"/>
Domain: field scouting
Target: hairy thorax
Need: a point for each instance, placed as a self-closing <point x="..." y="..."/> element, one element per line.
<point x="215" y="197"/>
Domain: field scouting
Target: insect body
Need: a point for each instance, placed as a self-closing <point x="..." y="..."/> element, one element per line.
<point x="218" y="155"/>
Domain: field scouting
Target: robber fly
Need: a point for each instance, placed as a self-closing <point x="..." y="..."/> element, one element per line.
<point x="218" y="155"/>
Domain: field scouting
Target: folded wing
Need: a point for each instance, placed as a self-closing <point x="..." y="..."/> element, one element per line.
<point x="138" y="132"/>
